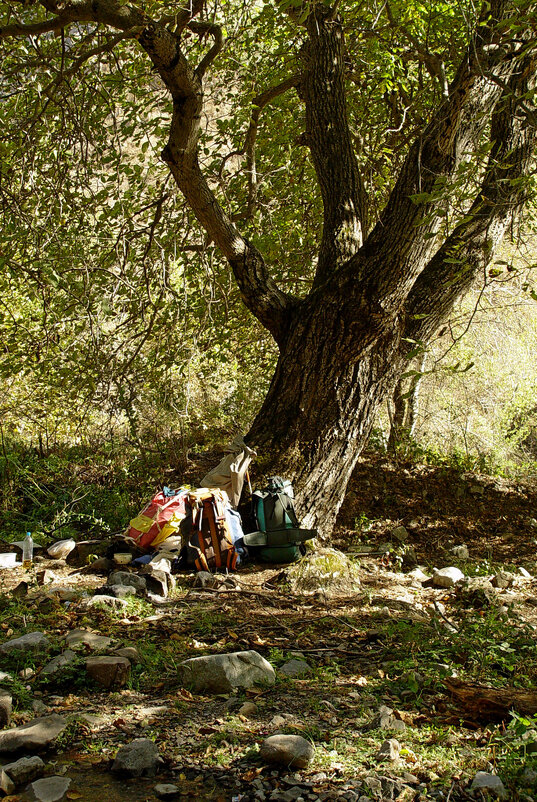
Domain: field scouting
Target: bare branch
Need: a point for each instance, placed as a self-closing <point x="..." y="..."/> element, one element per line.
<point x="216" y="32"/>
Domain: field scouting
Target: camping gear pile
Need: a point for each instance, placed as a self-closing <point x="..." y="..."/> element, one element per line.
<point x="204" y="529"/>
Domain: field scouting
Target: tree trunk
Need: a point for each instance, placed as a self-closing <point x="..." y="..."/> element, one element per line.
<point x="319" y="411"/>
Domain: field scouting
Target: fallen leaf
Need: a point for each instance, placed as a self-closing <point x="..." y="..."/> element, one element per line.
<point x="73" y="795"/>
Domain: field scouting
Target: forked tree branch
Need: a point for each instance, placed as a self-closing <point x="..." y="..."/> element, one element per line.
<point x="504" y="190"/>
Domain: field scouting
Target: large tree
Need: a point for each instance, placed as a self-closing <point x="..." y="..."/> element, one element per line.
<point x="390" y="263"/>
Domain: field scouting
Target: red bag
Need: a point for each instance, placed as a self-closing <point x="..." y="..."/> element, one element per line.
<point x="159" y="519"/>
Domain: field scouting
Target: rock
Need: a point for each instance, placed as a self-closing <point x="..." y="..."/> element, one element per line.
<point x="460" y="552"/>
<point x="157" y="582"/>
<point x="107" y="601"/>
<point x="46" y="577"/>
<point x="277" y="721"/>
<point x="400" y="534"/>
<point x="296" y="668"/>
<point x="476" y="592"/>
<point x="220" y="673"/>
<point x="62" y="594"/>
<point x="126" y="578"/>
<point x="5" y="708"/>
<point x="447" y="577"/>
<point x="49" y="789"/>
<point x="67" y="658"/>
<point x="87" y="638"/>
<point x="110" y="672"/>
<point x="389" y="750"/>
<point x="36" y="734"/>
<point x="12" y="775"/>
<point x="289" y="750"/>
<point x="167" y="791"/>
<point x="139" y="758"/>
<point x="528" y="778"/>
<point x="117" y="591"/>
<point x="418" y="575"/>
<point x="387" y="721"/>
<point x="61" y="549"/>
<point x="489" y="782"/>
<point x="248" y="709"/>
<point x="131" y="653"/>
<point x="502" y="580"/>
<point x="32" y="642"/>
<point x="39" y="707"/>
<point x="21" y="590"/>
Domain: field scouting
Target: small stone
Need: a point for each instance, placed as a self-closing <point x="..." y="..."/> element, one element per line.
<point x="107" y="601"/>
<point x="21" y="590"/>
<point x="110" y="672"/>
<point x="39" y="707"/>
<point x="32" y="642"/>
<point x="248" y="709"/>
<point x="400" y="534"/>
<point x="489" y="782"/>
<point x="502" y="580"/>
<point x="63" y="660"/>
<point x="418" y="575"/>
<point x="460" y="552"/>
<point x="49" y="789"/>
<point x="167" y="791"/>
<point x="296" y="668"/>
<point x="278" y="721"/>
<point x="118" y="591"/>
<point x="5" y="708"/>
<point x="131" y="653"/>
<point x="87" y="638"/>
<point x="389" y="750"/>
<point x="24" y="770"/>
<point x="126" y="578"/>
<point x="139" y="758"/>
<point x="46" y="577"/>
<point x="289" y="750"/>
<point x="447" y="577"/>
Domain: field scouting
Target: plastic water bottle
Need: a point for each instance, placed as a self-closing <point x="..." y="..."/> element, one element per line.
<point x="27" y="551"/>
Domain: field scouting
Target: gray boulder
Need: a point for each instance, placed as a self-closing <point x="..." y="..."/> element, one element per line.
<point x="289" y="750"/>
<point x="137" y="759"/>
<point x="67" y="658"/>
<point x="23" y="771"/>
<point x="490" y="783"/>
<point x="61" y="549"/>
<point x="91" y="639"/>
<point x="106" y="601"/>
<point x="296" y="668"/>
<point x="447" y="577"/>
<point x="110" y="672"/>
<point x="220" y="673"/>
<point x="49" y="789"/>
<point x="35" y="735"/>
<point x="32" y="642"/>
<point x="126" y="578"/>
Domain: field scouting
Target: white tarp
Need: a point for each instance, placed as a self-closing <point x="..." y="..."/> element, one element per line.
<point x="229" y="473"/>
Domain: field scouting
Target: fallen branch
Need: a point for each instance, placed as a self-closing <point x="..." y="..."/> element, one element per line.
<point x="483" y="701"/>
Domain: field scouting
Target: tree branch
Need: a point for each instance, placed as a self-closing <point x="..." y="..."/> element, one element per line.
<point x="322" y="88"/>
<point x="504" y="190"/>
<point x="403" y="240"/>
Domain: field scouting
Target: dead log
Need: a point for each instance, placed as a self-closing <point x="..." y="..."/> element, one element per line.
<point x="484" y="702"/>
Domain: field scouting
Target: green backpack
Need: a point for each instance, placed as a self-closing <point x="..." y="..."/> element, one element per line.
<point x="279" y="538"/>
